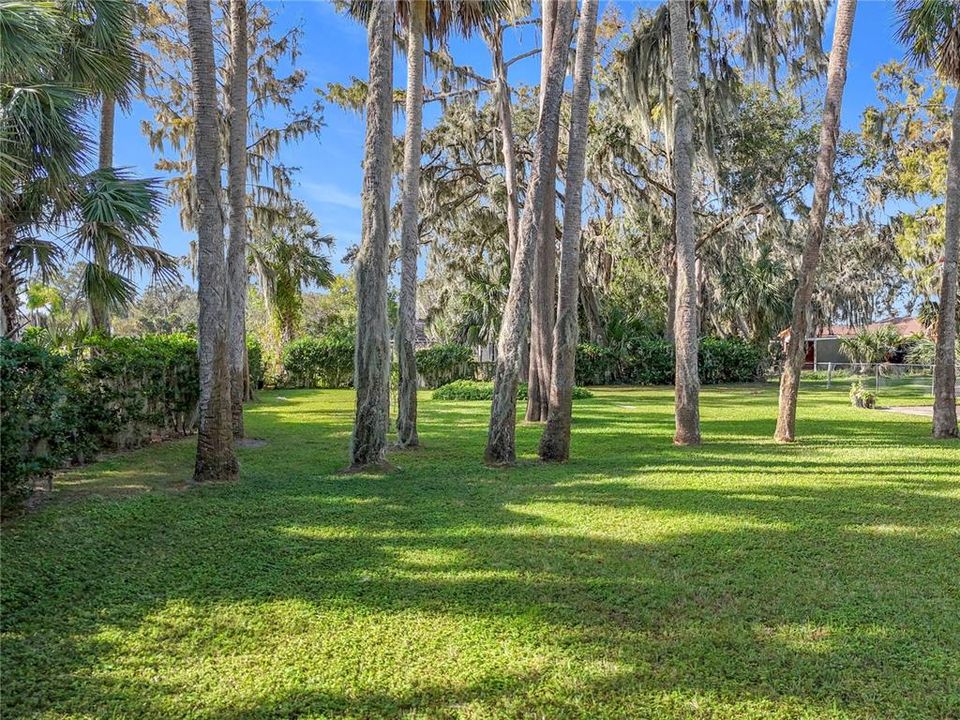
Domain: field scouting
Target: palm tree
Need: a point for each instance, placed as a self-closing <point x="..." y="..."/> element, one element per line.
<point x="433" y="19"/>
<point x="372" y="355"/>
<point x="410" y="231"/>
<point x="543" y="289"/>
<point x="822" y="185"/>
<point x="687" y="324"/>
<point x="555" y="442"/>
<point x="57" y="56"/>
<point x="286" y="258"/>
<point x="931" y="31"/>
<point x="501" y="446"/>
<point x="237" y="272"/>
<point x="216" y="459"/>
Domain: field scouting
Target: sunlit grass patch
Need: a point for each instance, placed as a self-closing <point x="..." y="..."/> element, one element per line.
<point x="742" y="579"/>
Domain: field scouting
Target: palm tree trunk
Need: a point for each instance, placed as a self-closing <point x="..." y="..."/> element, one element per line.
<point x="505" y="118"/>
<point x="544" y="289"/>
<point x="372" y="354"/>
<point x="8" y="281"/>
<point x="216" y="459"/>
<point x="501" y="438"/>
<point x="237" y="274"/>
<point x="410" y="234"/>
<point x="945" y="361"/>
<point x="107" y="112"/>
<point x="99" y="314"/>
<point x="555" y="442"/>
<point x="687" y="328"/>
<point x="822" y="184"/>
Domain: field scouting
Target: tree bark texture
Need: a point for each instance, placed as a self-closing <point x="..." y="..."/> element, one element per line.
<point x="555" y="442"/>
<point x="108" y="109"/>
<point x="237" y="274"/>
<point x="368" y="443"/>
<point x="8" y="281"/>
<point x="99" y="314"/>
<point x="505" y="119"/>
<point x="543" y="292"/>
<point x="501" y="438"/>
<point x="822" y="184"/>
<point x="687" y="327"/>
<point x="410" y="234"/>
<point x="945" y="359"/>
<point x="216" y="459"/>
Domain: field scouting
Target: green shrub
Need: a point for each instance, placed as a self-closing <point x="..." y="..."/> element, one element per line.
<point x="34" y="434"/>
<point x="729" y="361"/>
<point x="103" y="394"/>
<point x="255" y="364"/>
<point x="442" y="364"/>
<point x="325" y="361"/>
<point x="861" y="397"/>
<point x="650" y="361"/>
<point x="481" y="390"/>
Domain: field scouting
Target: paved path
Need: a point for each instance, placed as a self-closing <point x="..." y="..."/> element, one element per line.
<point x="921" y="410"/>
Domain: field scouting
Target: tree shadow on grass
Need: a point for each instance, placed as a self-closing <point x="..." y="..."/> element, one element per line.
<point x="624" y="585"/>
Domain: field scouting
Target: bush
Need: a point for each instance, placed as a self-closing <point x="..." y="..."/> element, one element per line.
<point x="325" y="361"/>
<point x="650" y="361"/>
<point x="729" y="361"/>
<point x="33" y="431"/>
<point x="442" y="364"/>
<point x="481" y="390"/>
<point x="861" y="397"/>
<point x="104" y="394"/>
<point x="255" y="365"/>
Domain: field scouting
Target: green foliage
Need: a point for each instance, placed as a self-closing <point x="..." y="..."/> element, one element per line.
<point x="442" y="364"/>
<point x="33" y="432"/>
<point x="255" y="366"/>
<point x="885" y="344"/>
<point x="861" y="397"/>
<point x="107" y="393"/>
<point x="650" y="361"/>
<point x="483" y="390"/>
<point x="736" y="581"/>
<point x="922" y="351"/>
<point x="729" y="361"/>
<point x="325" y="361"/>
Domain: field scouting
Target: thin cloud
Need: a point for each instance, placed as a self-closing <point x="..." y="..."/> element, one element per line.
<point x="327" y="194"/>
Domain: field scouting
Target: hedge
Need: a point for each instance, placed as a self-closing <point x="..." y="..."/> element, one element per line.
<point x="116" y="393"/>
<point x="442" y="364"/>
<point x="482" y="390"/>
<point x="325" y="361"/>
<point x="650" y="361"/>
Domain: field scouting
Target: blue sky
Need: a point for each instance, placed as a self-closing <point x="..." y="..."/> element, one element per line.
<point x="334" y="49"/>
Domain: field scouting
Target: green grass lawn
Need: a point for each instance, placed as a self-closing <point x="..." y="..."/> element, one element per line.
<point x="739" y="580"/>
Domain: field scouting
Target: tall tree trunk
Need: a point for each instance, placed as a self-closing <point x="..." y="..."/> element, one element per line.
<point x="216" y="459"/>
<point x="372" y="354"/>
<point x="108" y="111"/>
<point x="555" y="442"/>
<point x="237" y="274"/>
<point x="945" y="361"/>
<point x="494" y="39"/>
<point x="99" y="313"/>
<point x="687" y="328"/>
<point x="501" y="438"/>
<point x="669" y="266"/>
<point x="410" y="234"/>
<point x="544" y="289"/>
<point x="8" y="281"/>
<point x="822" y="184"/>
